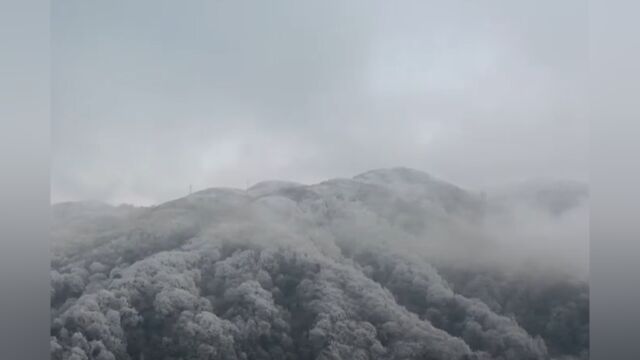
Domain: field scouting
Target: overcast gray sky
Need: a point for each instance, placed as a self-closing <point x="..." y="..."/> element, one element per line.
<point x="151" y="96"/>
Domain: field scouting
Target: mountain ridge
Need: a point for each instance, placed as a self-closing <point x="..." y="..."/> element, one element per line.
<point x="373" y="267"/>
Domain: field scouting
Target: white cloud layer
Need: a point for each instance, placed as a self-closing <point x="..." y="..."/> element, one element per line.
<point x="149" y="97"/>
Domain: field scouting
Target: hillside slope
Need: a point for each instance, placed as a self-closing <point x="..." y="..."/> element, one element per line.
<point x="373" y="267"/>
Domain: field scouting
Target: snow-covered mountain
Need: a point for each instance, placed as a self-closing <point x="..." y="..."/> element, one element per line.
<point x="372" y="267"/>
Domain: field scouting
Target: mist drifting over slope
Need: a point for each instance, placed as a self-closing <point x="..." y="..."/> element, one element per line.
<point x="389" y="264"/>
